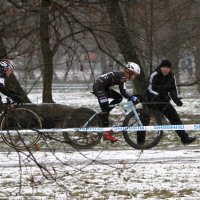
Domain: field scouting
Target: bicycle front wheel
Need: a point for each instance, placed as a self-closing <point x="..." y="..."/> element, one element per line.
<point x="82" y="118"/>
<point x="20" y="127"/>
<point x="152" y="138"/>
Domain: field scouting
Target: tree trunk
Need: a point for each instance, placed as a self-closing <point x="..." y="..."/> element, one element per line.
<point x="3" y="52"/>
<point x="123" y="40"/>
<point x="46" y="53"/>
<point x="197" y="66"/>
<point x="51" y="115"/>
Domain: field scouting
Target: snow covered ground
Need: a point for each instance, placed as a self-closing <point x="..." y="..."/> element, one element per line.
<point x="107" y="174"/>
<point x="169" y="171"/>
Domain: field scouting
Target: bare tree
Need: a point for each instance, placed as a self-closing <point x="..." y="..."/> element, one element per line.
<point x="46" y="52"/>
<point x="123" y="40"/>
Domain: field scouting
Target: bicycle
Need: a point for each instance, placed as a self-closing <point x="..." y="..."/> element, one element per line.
<point x="86" y="118"/>
<point x="16" y="124"/>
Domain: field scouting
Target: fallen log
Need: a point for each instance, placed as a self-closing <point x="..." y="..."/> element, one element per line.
<point x="51" y="115"/>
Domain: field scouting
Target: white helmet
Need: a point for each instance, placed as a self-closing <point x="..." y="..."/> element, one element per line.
<point x="133" y="67"/>
<point x="7" y="64"/>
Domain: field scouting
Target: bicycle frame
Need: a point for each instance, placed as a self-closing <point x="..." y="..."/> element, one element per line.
<point x="125" y="105"/>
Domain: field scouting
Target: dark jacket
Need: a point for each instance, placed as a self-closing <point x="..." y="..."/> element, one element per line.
<point x="161" y="87"/>
<point x="106" y="81"/>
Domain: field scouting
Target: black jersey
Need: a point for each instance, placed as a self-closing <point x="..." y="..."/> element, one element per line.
<point x="164" y="86"/>
<point x="105" y="81"/>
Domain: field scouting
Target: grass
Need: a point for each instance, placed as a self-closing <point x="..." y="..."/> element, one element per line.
<point x="161" y="194"/>
<point x="185" y="192"/>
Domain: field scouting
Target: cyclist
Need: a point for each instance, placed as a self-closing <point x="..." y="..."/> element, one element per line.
<point x="162" y="88"/>
<point x="6" y="69"/>
<point x="102" y="90"/>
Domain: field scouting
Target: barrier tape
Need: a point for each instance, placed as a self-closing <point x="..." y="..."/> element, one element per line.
<point x="115" y="129"/>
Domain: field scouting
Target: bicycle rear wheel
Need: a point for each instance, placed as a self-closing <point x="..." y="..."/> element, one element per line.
<point x="152" y="138"/>
<point x="20" y="128"/>
<point x="78" y="119"/>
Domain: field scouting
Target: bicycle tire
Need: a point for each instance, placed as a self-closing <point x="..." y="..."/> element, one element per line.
<point x="152" y="137"/>
<point x="82" y="140"/>
<point x="18" y="119"/>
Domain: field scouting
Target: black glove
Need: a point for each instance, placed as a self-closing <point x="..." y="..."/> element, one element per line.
<point x="16" y="99"/>
<point x="178" y="102"/>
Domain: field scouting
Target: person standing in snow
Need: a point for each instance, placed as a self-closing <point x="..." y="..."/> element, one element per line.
<point x="162" y="88"/>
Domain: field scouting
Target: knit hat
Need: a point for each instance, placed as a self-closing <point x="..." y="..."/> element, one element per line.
<point x="166" y="63"/>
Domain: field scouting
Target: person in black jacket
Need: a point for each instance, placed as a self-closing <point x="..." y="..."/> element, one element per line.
<point x="6" y="69"/>
<point x="162" y="88"/>
<point x="102" y="90"/>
